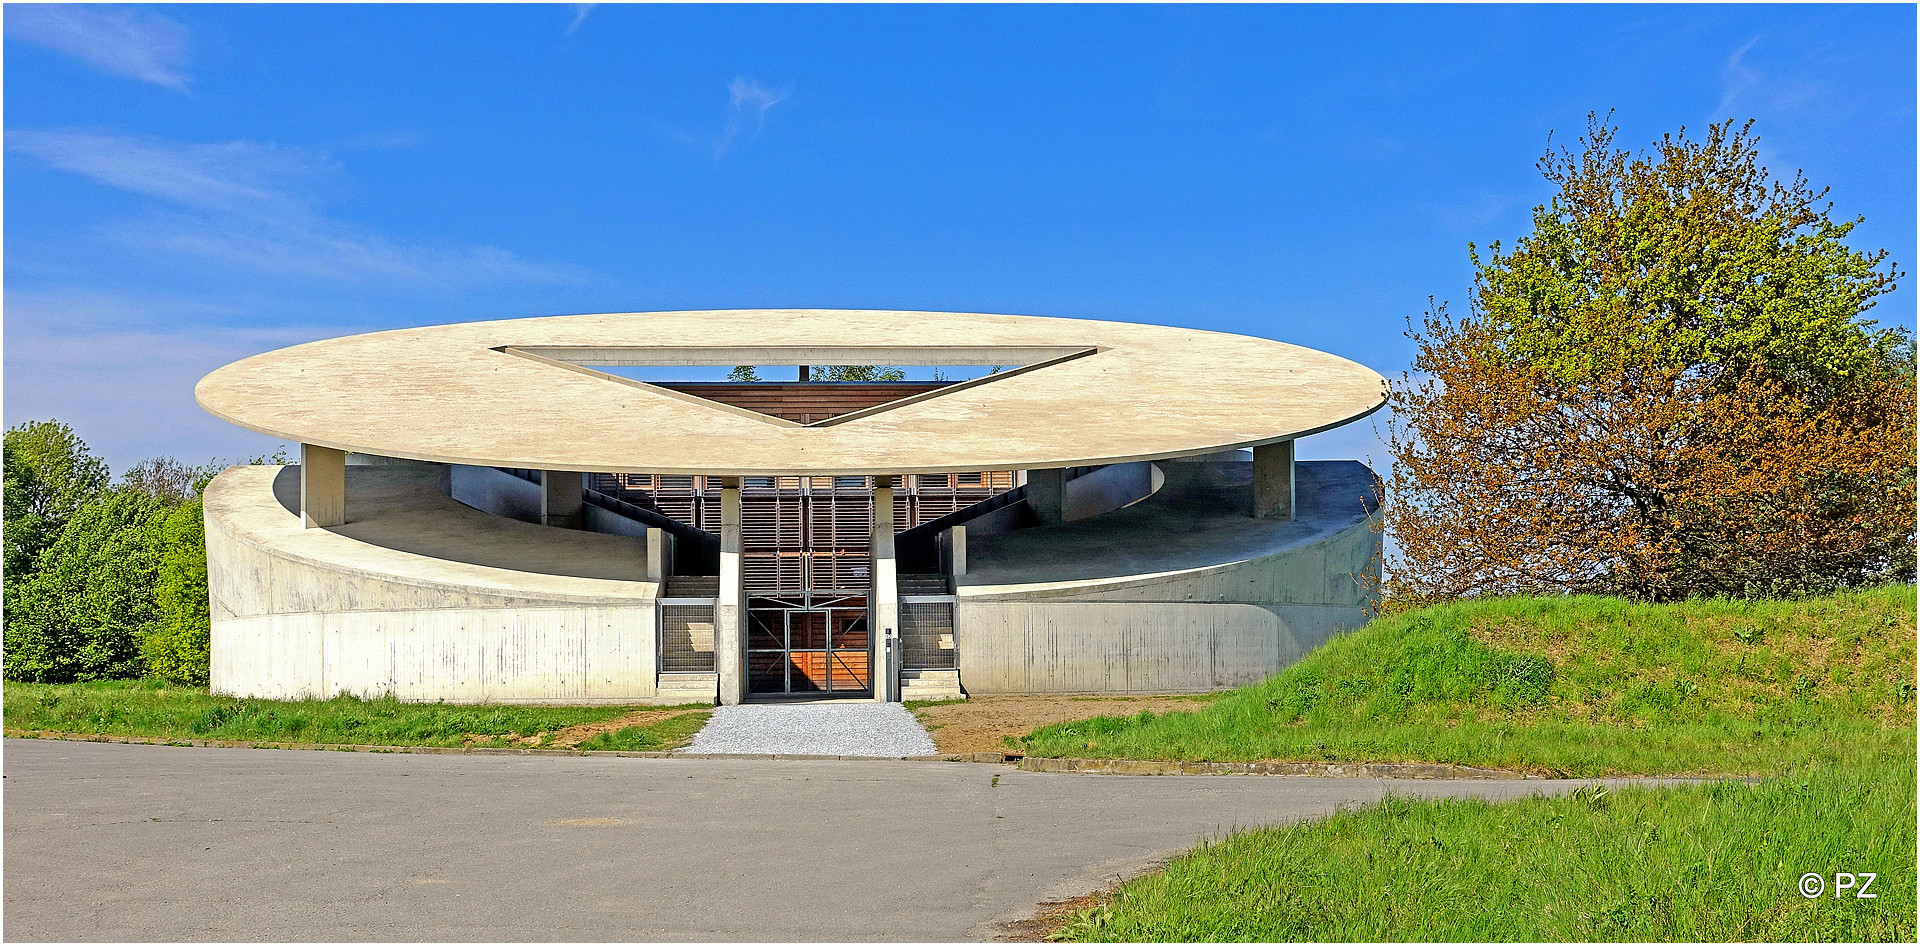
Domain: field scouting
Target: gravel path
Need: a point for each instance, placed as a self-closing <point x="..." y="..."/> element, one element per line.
<point x="884" y="730"/>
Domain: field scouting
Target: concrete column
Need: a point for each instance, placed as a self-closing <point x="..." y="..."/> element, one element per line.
<point x="659" y="554"/>
<point x="562" y="498"/>
<point x="1273" y="481"/>
<point x="956" y="549"/>
<point x="883" y="609"/>
<point x="730" y="609"/>
<point x="323" y="486"/>
<point x="1047" y="495"/>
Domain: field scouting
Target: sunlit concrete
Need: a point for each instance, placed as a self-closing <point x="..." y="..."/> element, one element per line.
<point x="1181" y="591"/>
<point x="419" y="596"/>
<point x="454" y="393"/>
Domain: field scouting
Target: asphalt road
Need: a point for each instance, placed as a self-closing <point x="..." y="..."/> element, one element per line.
<point x="120" y="842"/>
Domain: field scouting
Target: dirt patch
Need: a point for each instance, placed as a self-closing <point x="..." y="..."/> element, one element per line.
<point x="1049" y="917"/>
<point x="572" y="736"/>
<point x="982" y="723"/>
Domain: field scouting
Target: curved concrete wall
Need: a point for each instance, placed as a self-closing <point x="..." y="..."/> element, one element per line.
<point x="311" y="613"/>
<point x="1179" y="593"/>
<point x="426" y="598"/>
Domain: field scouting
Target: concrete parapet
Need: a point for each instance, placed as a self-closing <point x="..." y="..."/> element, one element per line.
<point x="420" y="597"/>
<point x="1182" y="591"/>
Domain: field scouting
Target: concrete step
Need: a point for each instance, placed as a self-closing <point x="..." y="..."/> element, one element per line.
<point x="931" y="685"/>
<point x="932" y="676"/>
<point x="922" y="584"/>
<point x="693" y="586"/>
<point x="687" y="687"/>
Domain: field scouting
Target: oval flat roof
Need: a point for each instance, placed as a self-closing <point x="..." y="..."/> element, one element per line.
<point x="523" y="393"/>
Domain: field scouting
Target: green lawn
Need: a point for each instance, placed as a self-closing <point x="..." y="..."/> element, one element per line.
<point x="1710" y="863"/>
<point x="1564" y="686"/>
<point x="151" y="708"/>
<point x="1817" y="695"/>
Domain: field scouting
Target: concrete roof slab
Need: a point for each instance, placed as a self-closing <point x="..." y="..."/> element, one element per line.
<point x="454" y="394"/>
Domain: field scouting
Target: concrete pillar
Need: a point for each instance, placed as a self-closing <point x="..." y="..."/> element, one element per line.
<point x="563" y="502"/>
<point x="1273" y="481"/>
<point x="956" y="551"/>
<point x="1047" y="495"/>
<point x="659" y="554"/>
<point x="883" y="608"/>
<point x="323" y="486"/>
<point x="730" y="609"/>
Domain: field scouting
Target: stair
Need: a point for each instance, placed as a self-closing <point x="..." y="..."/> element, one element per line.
<point x="688" y="688"/>
<point x="693" y="586"/>
<point x="931" y="685"/>
<point x="923" y="585"/>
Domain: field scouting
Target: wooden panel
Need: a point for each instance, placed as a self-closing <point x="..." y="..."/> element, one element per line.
<point x="805" y="403"/>
<point x="828" y="670"/>
<point x="850" y="669"/>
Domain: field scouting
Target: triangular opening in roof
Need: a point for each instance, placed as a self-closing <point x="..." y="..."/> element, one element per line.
<point x="842" y="384"/>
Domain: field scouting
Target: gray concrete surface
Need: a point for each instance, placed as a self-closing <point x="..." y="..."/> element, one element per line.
<point x="514" y="393"/>
<point x="1179" y="592"/>
<point x="856" y="728"/>
<point x="419" y="596"/>
<point x="119" y="842"/>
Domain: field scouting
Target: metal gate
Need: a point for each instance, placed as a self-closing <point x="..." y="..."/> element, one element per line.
<point x="807" y="644"/>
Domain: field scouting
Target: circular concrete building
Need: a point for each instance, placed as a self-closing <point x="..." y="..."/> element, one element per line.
<point x="562" y="510"/>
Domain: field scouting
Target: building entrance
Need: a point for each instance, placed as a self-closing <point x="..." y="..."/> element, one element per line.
<point x="808" y="645"/>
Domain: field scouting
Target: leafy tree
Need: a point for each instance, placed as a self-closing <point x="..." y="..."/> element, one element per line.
<point x="168" y="479"/>
<point x="82" y="614"/>
<point x="743" y="373"/>
<point x="49" y="474"/>
<point x="856" y="373"/>
<point x="178" y="648"/>
<point x="1667" y="389"/>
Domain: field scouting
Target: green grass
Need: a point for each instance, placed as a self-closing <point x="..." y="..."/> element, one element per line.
<point x="1710" y="863"/>
<point x="670" y="733"/>
<point x="1576" y="686"/>
<point x="151" y="708"/>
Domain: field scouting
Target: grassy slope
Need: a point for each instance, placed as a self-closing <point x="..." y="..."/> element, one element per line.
<point x="149" y="708"/>
<point x="1718" y="862"/>
<point x="1565" y="686"/>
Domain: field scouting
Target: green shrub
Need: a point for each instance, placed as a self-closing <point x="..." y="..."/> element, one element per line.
<point x="83" y="612"/>
<point x="178" y="647"/>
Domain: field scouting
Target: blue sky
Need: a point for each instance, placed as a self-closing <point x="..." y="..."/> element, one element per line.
<point x="188" y="185"/>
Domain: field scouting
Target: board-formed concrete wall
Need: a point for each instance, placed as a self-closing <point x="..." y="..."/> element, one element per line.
<point x="1113" y="647"/>
<point x="311" y="613"/>
<point x="1177" y="594"/>
<point x="426" y="598"/>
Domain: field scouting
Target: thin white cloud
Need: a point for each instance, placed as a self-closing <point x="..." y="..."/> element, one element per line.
<point x="122" y="41"/>
<point x="580" y="11"/>
<point x="1741" y="79"/>
<point x="121" y="369"/>
<point x="748" y="102"/>
<point x="324" y="249"/>
<point x="237" y="176"/>
<point x="257" y="205"/>
<point x="747" y="105"/>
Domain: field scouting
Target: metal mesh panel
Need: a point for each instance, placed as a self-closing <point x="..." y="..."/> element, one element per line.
<point x="926" y="637"/>
<point x="686" y="639"/>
